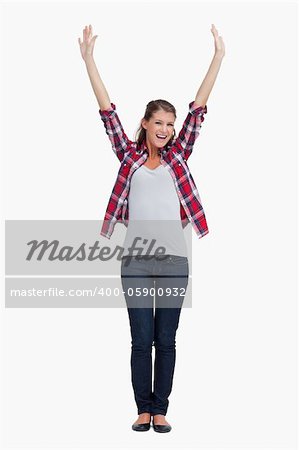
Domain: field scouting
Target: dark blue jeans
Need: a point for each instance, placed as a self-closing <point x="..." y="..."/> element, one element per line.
<point x="145" y="282"/>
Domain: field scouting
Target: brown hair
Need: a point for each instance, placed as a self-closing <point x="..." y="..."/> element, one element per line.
<point x="152" y="107"/>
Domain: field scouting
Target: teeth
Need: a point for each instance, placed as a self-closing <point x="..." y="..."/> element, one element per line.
<point x="161" y="136"/>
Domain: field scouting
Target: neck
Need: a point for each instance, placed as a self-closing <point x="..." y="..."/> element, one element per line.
<point x="153" y="151"/>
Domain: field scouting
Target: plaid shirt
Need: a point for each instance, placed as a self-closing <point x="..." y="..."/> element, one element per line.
<point x="173" y="157"/>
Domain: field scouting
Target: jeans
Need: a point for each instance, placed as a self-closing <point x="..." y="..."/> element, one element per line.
<point x="153" y="325"/>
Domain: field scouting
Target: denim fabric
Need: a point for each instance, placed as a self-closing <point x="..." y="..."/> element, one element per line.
<point x="154" y="318"/>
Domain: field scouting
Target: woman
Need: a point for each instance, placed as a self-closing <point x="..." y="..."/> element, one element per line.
<point x="154" y="186"/>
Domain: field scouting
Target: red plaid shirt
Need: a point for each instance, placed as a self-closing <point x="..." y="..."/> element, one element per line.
<point x="173" y="158"/>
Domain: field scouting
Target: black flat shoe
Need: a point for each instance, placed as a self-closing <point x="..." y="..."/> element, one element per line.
<point x="161" y="428"/>
<point x="141" y="426"/>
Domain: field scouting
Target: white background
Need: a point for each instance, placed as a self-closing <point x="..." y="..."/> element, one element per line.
<point x="66" y="377"/>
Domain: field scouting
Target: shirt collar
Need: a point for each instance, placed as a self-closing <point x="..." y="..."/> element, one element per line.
<point x="143" y="148"/>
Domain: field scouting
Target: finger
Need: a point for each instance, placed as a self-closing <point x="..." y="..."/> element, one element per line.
<point x="87" y="33"/>
<point x="79" y="40"/>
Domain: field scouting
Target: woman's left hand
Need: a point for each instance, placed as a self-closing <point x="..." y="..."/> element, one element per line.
<point x="219" y="44"/>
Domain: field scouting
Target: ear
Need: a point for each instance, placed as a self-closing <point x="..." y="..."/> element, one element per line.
<point x="143" y="123"/>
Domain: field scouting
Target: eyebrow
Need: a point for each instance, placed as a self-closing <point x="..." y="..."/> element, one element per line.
<point x="159" y="120"/>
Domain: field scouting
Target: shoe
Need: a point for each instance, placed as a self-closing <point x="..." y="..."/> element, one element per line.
<point x="141" y="426"/>
<point x="161" y="428"/>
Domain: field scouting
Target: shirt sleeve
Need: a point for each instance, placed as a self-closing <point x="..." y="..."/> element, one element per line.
<point x="115" y="131"/>
<point x="190" y="129"/>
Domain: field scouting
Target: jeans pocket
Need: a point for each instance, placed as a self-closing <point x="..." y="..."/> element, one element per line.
<point x="177" y="260"/>
<point x="130" y="265"/>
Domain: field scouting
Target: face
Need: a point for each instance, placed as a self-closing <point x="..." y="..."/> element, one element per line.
<point x="159" y="128"/>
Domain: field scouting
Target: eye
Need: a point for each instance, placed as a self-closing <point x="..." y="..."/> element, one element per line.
<point x="168" y="124"/>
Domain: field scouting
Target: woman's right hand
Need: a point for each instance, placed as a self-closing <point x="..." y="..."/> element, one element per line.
<point x="86" y="47"/>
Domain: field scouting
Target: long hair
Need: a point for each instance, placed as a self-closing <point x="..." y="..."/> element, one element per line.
<point x="152" y="107"/>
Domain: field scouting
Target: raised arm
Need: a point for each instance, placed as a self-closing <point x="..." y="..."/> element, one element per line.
<point x="109" y="116"/>
<point x="86" y="48"/>
<point x="210" y="78"/>
<point x="197" y="108"/>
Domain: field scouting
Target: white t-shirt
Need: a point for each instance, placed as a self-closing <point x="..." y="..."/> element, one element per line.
<point x="154" y="213"/>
